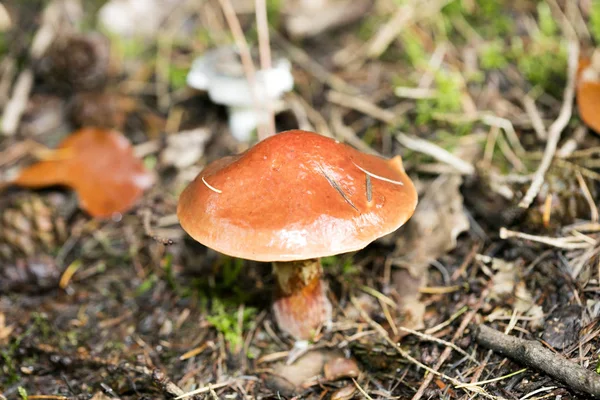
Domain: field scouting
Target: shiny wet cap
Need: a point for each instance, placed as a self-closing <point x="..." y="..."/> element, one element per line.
<point x="296" y="195"/>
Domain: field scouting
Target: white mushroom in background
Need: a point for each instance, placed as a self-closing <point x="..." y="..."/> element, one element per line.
<point x="220" y="73"/>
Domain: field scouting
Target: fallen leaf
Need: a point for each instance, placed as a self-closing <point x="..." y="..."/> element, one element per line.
<point x="99" y="165"/>
<point x="561" y="328"/>
<point x="506" y="283"/>
<point x="503" y="281"/>
<point x="408" y="298"/>
<point x="304" y="372"/>
<point x="525" y="305"/>
<point x="439" y="218"/>
<point x="588" y="91"/>
<point x="339" y="368"/>
<point x="429" y="234"/>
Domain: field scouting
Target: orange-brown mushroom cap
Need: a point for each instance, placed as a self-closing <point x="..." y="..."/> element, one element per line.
<point x="294" y="196"/>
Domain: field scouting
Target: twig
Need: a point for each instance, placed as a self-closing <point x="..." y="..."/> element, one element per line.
<point x="18" y="101"/>
<point x="404" y="16"/>
<point x="361" y="105"/>
<point x="432" y="371"/>
<point x="205" y="389"/>
<point x="264" y="49"/>
<point x="240" y="41"/>
<point x="457" y="334"/>
<point x="588" y="196"/>
<point x="567" y="243"/>
<point x="303" y="59"/>
<point x="430" y="338"/>
<point x="347" y="134"/>
<point x="436" y="152"/>
<point x="536" y="119"/>
<point x="42" y="40"/>
<point x="555" y="130"/>
<point x="361" y="390"/>
<point x="533" y="354"/>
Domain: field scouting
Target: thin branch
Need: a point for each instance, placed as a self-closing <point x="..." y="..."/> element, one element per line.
<point x="240" y="41"/>
<point x="533" y="354"/>
<point x="264" y="48"/>
<point x="555" y="130"/>
<point x="566" y="243"/>
<point x="435" y="151"/>
<point x="535" y="117"/>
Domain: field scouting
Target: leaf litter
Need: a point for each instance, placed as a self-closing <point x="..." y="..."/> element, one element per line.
<point x="445" y="73"/>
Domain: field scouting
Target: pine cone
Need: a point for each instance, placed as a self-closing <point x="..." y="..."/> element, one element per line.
<point x="77" y="62"/>
<point x="31" y="226"/>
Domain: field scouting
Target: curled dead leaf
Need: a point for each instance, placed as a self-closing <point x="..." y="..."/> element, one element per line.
<point x="340" y="367"/>
<point x="440" y="218"/>
<point x="99" y="165"/>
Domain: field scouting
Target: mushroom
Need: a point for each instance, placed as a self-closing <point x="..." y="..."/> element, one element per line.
<point x="220" y="73"/>
<point x="291" y="199"/>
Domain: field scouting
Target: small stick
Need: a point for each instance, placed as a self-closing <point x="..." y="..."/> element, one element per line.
<point x="555" y="130"/>
<point x="533" y="354"/>
<point x="240" y="40"/>
<point x="435" y="151"/>
<point x="535" y="117"/>
<point x="567" y="243"/>
<point x="264" y="49"/>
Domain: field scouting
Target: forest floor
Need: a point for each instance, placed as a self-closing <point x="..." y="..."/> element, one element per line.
<point x="478" y="97"/>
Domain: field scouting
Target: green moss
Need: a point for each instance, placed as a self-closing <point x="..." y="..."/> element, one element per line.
<point x="274" y="12"/>
<point x="447" y="99"/>
<point x="178" y="76"/>
<point x="543" y="62"/>
<point x="489" y="18"/>
<point x="546" y="21"/>
<point x="146" y="285"/>
<point x="232" y="267"/>
<point x="369" y="26"/>
<point x="22" y="393"/>
<point x="595" y="21"/>
<point x="225" y="320"/>
<point x="413" y="49"/>
<point x="492" y="55"/>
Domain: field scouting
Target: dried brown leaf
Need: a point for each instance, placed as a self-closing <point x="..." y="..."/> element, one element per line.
<point x="433" y="229"/>
<point x="99" y="165"/>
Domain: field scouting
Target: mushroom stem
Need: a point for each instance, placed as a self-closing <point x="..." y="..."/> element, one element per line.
<point x="301" y="305"/>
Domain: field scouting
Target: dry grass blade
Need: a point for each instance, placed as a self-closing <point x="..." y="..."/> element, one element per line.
<point x="245" y="55"/>
<point x="567" y="243"/>
<point x="206" y="389"/>
<point x="439" y="341"/>
<point x="264" y="48"/>
<point x="434" y="372"/>
<point x="555" y="130"/>
<point x="433" y="150"/>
